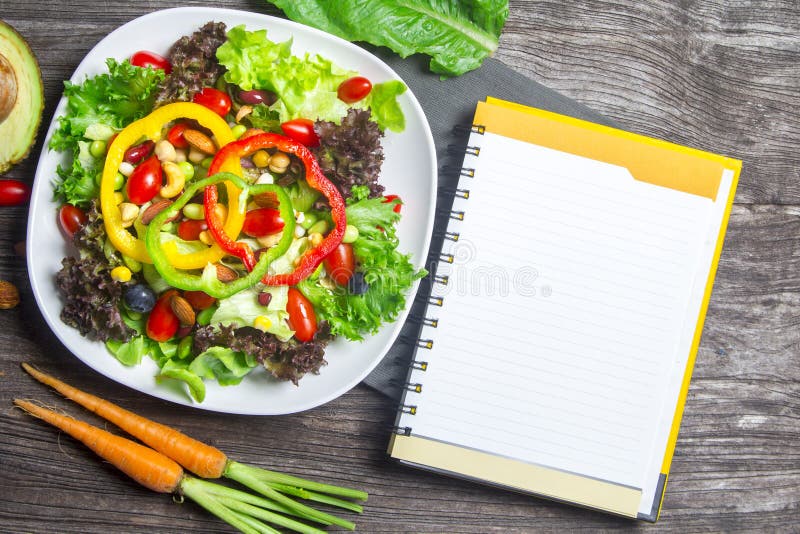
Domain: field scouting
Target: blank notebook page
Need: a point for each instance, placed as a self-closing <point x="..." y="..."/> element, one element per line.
<point x="564" y="312"/>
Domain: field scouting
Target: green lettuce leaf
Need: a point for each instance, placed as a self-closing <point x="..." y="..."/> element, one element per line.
<point x="306" y="86"/>
<point x="241" y="309"/>
<point x="225" y="365"/>
<point x="388" y="272"/>
<point x="458" y="35"/>
<point x="103" y="103"/>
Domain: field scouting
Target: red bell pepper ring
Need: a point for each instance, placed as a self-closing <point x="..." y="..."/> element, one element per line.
<point x="311" y="258"/>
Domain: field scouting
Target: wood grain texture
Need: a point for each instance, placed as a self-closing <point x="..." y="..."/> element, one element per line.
<point x="723" y="76"/>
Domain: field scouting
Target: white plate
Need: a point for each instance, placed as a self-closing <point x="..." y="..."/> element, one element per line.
<point x="409" y="171"/>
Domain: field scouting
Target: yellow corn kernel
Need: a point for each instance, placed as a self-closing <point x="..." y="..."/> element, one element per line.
<point x="315" y="238"/>
<point x="121" y="274"/>
<point x="261" y="158"/>
<point x="206" y="237"/>
<point x="263" y="323"/>
<point x="119" y="198"/>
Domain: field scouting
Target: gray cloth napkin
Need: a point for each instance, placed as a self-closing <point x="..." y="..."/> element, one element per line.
<point x="448" y="103"/>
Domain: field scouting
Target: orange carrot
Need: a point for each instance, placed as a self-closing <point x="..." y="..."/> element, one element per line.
<point x="149" y="468"/>
<point x="155" y="471"/>
<point x="201" y="459"/>
<point x="210" y="462"/>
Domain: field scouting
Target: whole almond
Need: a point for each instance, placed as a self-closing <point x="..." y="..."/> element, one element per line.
<point x="182" y="310"/>
<point x="155" y="208"/>
<point x="267" y="200"/>
<point x="200" y="141"/>
<point x="225" y="273"/>
<point x="9" y="295"/>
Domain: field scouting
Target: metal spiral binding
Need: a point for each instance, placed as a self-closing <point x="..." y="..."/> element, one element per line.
<point x="425" y="343"/>
<point x="453" y="170"/>
<point x="422" y="343"/>
<point x="426" y="321"/>
<point x="463" y="129"/>
<point x="414" y="388"/>
<point x="460" y="193"/>
<point x="419" y="366"/>
<point x="457" y="150"/>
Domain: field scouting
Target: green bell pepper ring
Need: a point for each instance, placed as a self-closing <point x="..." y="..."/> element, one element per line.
<point x="207" y="281"/>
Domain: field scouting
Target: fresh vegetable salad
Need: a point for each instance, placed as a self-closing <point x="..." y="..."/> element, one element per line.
<point x="226" y="208"/>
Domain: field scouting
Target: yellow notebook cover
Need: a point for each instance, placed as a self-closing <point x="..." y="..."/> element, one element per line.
<point x="690" y="172"/>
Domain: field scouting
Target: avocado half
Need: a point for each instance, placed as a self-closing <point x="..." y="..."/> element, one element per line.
<point x="21" y="97"/>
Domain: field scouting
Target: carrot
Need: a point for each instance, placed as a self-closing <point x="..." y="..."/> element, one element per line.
<point x="210" y="462"/>
<point x="156" y="472"/>
<point x="149" y="468"/>
<point x="201" y="459"/>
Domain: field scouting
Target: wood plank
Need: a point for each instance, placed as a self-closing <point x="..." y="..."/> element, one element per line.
<point x="717" y="75"/>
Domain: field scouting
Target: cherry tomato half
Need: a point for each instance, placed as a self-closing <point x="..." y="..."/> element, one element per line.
<point x="340" y="263"/>
<point x="389" y="198"/>
<point x="13" y="192"/>
<point x="302" y="318"/>
<point x="162" y="323"/>
<point x="71" y="218"/>
<point x="143" y="58"/>
<point x="175" y="135"/>
<point x="354" y="89"/>
<point x="199" y="300"/>
<point x="302" y="131"/>
<point x="189" y="229"/>
<point x="213" y="99"/>
<point x="262" y="221"/>
<point x="145" y="181"/>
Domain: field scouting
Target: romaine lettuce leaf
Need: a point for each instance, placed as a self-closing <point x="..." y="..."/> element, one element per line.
<point x="457" y="34"/>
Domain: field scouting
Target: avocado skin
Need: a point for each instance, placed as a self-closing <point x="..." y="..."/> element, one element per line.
<point x="18" y="129"/>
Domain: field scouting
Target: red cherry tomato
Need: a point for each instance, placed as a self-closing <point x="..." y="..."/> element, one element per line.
<point x="71" y="218"/>
<point x="302" y="131"/>
<point x="389" y="198"/>
<point x="143" y="58"/>
<point x="189" y="229"/>
<point x="145" y="181"/>
<point x="340" y="263"/>
<point x="302" y="318"/>
<point x="213" y="99"/>
<point x="354" y="89"/>
<point x="162" y="323"/>
<point x="14" y="192"/>
<point x="262" y="221"/>
<point x="175" y="135"/>
<point x="199" y="300"/>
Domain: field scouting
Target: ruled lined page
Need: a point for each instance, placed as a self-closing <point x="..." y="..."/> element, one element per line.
<point x="563" y="314"/>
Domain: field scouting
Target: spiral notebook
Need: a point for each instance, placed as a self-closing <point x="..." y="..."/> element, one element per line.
<point x="566" y="310"/>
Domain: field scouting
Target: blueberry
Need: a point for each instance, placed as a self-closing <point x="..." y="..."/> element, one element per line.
<point x="357" y="285"/>
<point x="140" y="298"/>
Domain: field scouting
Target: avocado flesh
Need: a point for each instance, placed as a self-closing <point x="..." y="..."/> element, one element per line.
<point x="21" y="97"/>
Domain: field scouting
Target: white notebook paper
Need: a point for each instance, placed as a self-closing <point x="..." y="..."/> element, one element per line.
<point x="574" y="294"/>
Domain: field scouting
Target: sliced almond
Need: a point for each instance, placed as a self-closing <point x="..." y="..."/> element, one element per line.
<point x="155" y="208"/>
<point x="244" y="111"/>
<point x="267" y="200"/>
<point x="182" y="310"/>
<point x="225" y="273"/>
<point x="200" y="141"/>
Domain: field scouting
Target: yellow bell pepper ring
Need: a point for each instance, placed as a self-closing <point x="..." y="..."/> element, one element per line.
<point x="151" y="127"/>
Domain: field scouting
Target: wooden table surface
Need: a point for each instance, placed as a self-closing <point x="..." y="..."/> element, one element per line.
<point x="718" y="75"/>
